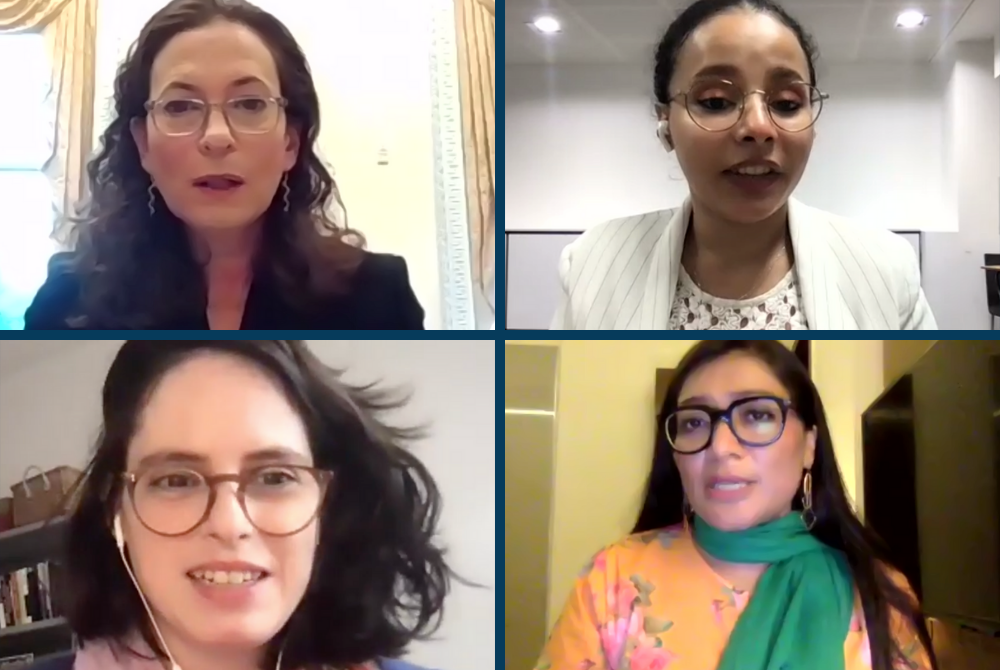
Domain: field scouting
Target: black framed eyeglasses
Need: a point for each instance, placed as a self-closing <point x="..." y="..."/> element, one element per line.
<point x="756" y="421"/>
<point x="277" y="499"/>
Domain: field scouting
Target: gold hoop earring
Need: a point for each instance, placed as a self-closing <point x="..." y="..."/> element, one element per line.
<point x="152" y="199"/>
<point x="808" y="515"/>
<point x="686" y="511"/>
<point x="288" y="190"/>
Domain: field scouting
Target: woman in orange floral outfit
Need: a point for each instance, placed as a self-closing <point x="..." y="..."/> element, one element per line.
<point x="746" y="554"/>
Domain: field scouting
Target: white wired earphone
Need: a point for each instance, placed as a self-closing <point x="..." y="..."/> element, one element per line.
<point x="663" y="134"/>
<point x="120" y="541"/>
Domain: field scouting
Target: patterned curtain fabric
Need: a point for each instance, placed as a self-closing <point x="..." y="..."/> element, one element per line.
<point x="476" y="50"/>
<point x="69" y="28"/>
<point x="28" y="15"/>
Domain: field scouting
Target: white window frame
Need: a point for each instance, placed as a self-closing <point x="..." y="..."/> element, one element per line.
<point x="458" y="310"/>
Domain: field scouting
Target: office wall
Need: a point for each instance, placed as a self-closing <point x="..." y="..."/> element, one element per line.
<point x="50" y="412"/>
<point x="581" y="147"/>
<point x="529" y="461"/>
<point x="849" y="375"/>
<point x="900" y="355"/>
<point x="996" y="57"/>
<point x="604" y="439"/>
<point x="953" y="277"/>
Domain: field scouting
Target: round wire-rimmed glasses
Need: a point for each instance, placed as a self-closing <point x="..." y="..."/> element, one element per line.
<point x="279" y="500"/>
<point x="248" y="114"/>
<point x="717" y="105"/>
<point x="756" y="421"/>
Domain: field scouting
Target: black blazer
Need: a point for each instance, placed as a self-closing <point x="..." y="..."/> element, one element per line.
<point x="66" y="661"/>
<point x="381" y="299"/>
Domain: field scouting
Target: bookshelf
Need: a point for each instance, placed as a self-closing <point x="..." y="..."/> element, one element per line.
<point x="22" y="548"/>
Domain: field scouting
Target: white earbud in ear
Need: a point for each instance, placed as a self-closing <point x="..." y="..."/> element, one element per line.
<point x="663" y="134"/>
<point x="119" y="536"/>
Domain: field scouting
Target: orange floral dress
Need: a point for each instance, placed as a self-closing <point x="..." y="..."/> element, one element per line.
<point x="652" y="602"/>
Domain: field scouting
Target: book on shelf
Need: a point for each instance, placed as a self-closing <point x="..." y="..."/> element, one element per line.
<point x="16" y="662"/>
<point x="30" y="594"/>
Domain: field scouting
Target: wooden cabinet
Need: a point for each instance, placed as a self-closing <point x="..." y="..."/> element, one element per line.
<point x="961" y="649"/>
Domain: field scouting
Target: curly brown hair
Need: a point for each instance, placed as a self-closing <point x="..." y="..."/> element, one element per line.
<point x="137" y="268"/>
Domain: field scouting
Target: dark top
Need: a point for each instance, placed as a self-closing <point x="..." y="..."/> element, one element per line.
<point x="380" y="299"/>
<point x="66" y="663"/>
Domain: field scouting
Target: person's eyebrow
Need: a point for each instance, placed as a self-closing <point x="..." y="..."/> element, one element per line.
<point x="782" y="73"/>
<point x="266" y="455"/>
<point x="187" y="86"/>
<point x="282" y="454"/>
<point x="779" y="73"/>
<point x="739" y="395"/>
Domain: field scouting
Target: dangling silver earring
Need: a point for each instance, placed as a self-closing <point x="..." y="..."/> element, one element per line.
<point x="808" y="515"/>
<point x="288" y="190"/>
<point x="152" y="199"/>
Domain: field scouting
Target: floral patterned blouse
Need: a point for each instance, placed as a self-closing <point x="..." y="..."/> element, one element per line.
<point x="777" y="309"/>
<point x="652" y="602"/>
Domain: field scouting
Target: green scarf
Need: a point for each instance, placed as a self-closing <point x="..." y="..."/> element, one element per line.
<point x="801" y="609"/>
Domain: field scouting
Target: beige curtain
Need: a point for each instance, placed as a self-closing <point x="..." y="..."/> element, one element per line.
<point x="28" y="15"/>
<point x="476" y="30"/>
<point x="69" y="28"/>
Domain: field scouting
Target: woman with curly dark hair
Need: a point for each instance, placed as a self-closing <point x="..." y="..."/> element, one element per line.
<point x="208" y="205"/>
<point x="245" y="509"/>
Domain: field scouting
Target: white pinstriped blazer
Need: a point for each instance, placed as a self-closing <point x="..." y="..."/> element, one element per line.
<point x="621" y="275"/>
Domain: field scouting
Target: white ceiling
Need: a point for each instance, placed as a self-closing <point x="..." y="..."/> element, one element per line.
<point x="626" y="31"/>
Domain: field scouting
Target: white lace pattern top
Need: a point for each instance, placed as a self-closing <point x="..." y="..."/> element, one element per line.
<point x="778" y="309"/>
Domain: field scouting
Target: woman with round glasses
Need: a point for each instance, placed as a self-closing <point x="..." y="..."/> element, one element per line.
<point x="245" y="509"/>
<point x="209" y="207"/>
<point x="746" y="554"/>
<point x="737" y="99"/>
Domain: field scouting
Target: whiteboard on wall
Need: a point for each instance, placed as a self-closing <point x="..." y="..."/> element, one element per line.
<point x="533" y="274"/>
<point x="533" y="277"/>
<point x="913" y="237"/>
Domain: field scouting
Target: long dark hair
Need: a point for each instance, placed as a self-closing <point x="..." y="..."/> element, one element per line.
<point x="379" y="579"/>
<point x="138" y="269"/>
<point x="836" y="523"/>
<point x="697" y="13"/>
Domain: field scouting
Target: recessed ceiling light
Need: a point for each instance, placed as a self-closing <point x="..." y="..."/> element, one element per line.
<point x="910" y="19"/>
<point x="547" y="25"/>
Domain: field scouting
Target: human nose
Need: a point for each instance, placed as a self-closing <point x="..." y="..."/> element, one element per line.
<point x="755" y="123"/>
<point x="218" y="135"/>
<point x="226" y="518"/>
<point x="724" y="441"/>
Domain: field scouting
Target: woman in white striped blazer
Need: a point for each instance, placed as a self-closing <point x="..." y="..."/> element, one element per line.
<point x="735" y="82"/>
